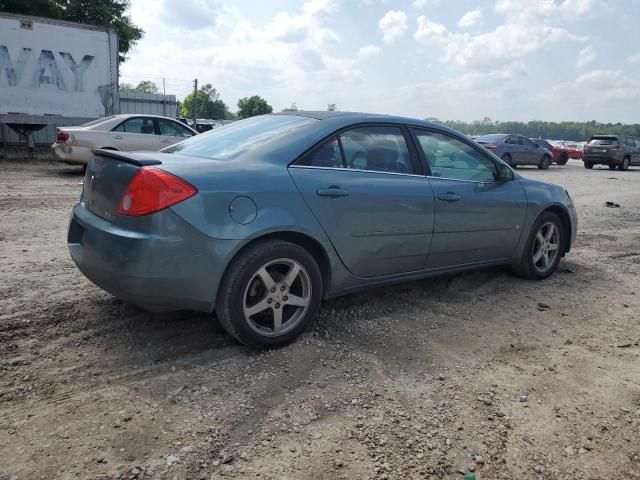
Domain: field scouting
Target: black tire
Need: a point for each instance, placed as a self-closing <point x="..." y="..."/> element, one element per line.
<point x="612" y="166"/>
<point x="237" y="284"/>
<point x="564" y="158"/>
<point x="527" y="268"/>
<point x="84" y="169"/>
<point x="626" y="161"/>
<point x="545" y="161"/>
<point x="588" y="165"/>
<point x="506" y="158"/>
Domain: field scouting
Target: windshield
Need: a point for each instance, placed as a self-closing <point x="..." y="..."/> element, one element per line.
<point x="490" y="138"/>
<point x="97" y="121"/>
<point x="230" y="141"/>
<point x="603" y="141"/>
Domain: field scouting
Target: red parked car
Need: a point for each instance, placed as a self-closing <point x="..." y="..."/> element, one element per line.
<point x="560" y="154"/>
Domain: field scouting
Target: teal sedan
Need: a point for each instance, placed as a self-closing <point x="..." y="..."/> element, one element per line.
<point x="262" y="219"/>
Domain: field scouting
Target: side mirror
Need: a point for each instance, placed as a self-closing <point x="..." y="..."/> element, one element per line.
<point x="505" y="174"/>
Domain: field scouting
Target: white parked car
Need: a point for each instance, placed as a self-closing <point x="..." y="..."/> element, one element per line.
<point x="74" y="145"/>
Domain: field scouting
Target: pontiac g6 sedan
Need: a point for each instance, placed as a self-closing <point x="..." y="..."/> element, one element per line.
<point x="261" y="219"/>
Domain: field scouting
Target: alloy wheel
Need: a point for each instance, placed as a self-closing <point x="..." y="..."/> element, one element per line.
<point x="277" y="297"/>
<point x="546" y="247"/>
<point x="625" y="164"/>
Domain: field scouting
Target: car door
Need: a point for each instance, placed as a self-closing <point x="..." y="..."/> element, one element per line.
<point x="637" y="147"/>
<point x="366" y="191"/>
<point x="515" y="149"/>
<point x="478" y="217"/>
<point x="135" y="133"/>
<point x="531" y="151"/>
<point x="171" y="132"/>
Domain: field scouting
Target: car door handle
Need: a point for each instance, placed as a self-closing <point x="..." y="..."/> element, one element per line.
<point x="165" y="140"/>
<point x="449" y="197"/>
<point x="118" y="137"/>
<point x="332" y="192"/>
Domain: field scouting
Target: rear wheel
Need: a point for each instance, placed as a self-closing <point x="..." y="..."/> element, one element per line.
<point x="588" y="165"/>
<point x="545" y="161"/>
<point x="564" y="158"/>
<point x="626" y="161"/>
<point x="270" y="294"/>
<point x="506" y="158"/>
<point x="544" y="248"/>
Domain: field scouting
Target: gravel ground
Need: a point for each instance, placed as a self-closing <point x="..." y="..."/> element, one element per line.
<point x="480" y="374"/>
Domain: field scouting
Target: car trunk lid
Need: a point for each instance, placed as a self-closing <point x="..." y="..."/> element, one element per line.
<point x="106" y="179"/>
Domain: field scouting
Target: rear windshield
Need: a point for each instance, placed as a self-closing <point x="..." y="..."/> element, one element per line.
<point x="97" y="121"/>
<point x="490" y="138"/>
<point x="230" y="141"/>
<point x="603" y="141"/>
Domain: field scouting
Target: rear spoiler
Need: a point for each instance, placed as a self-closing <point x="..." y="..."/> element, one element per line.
<point x="128" y="157"/>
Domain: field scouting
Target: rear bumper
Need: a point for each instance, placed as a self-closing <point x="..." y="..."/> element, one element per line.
<point x="174" y="268"/>
<point x="73" y="155"/>
<point x="595" y="160"/>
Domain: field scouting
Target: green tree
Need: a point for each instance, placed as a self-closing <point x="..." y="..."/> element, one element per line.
<point x="291" y="108"/>
<point x="252" y="106"/>
<point x="145" y="86"/>
<point x="331" y="107"/>
<point x="209" y="104"/>
<point x="104" y="13"/>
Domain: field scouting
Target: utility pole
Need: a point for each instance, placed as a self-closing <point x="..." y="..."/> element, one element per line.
<point x="195" y="103"/>
<point x="164" y="99"/>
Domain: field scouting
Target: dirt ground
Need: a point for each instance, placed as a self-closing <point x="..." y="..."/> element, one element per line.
<point x="479" y="374"/>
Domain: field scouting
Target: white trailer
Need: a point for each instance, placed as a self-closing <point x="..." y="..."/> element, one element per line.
<point x="55" y="72"/>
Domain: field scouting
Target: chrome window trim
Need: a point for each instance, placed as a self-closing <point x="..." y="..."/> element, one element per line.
<point x="341" y="169"/>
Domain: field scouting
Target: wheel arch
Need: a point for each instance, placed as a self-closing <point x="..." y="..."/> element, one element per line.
<point x="561" y="212"/>
<point x="310" y="244"/>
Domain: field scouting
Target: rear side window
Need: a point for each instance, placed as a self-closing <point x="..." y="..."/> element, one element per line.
<point x="173" y="129"/>
<point x="375" y="149"/>
<point x="603" y="141"/>
<point x="136" y="125"/>
<point x="451" y="158"/>
<point x="378" y="149"/>
<point x="325" y="155"/>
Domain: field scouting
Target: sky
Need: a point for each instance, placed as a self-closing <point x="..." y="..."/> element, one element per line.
<point x="554" y="60"/>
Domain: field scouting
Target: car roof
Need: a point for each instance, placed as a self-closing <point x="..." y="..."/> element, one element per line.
<point x="348" y="118"/>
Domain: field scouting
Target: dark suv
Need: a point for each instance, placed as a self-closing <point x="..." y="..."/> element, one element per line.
<point x="614" y="150"/>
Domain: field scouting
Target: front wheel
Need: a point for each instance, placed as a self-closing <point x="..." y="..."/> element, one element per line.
<point x="625" y="164"/>
<point x="270" y="294"/>
<point x="544" y="248"/>
<point x="545" y="161"/>
<point x="564" y="158"/>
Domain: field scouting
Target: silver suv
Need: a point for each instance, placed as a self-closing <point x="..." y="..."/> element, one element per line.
<point x="619" y="151"/>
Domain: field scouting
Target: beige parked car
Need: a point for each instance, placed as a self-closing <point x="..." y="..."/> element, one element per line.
<point x="74" y="145"/>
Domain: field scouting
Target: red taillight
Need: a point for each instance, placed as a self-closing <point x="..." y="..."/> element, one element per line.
<point x="151" y="190"/>
<point x="489" y="146"/>
<point x="62" y="136"/>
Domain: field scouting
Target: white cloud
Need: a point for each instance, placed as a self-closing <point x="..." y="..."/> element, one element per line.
<point x="634" y="59"/>
<point x="507" y="43"/>
<point x="393" y="25"/>
<point x="609" y="84"/>
<point x="193" y="15"/>
<point x="471" y="18"/>
<point x="547" y="9"/>
<point x="369" y="51"/>
<point x="586" y="56"/>
<point x="420" y="4"/>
